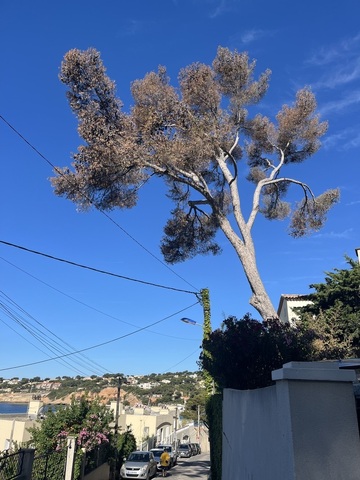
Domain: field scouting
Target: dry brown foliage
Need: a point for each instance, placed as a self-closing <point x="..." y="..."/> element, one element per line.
<point x="193" y="136"/>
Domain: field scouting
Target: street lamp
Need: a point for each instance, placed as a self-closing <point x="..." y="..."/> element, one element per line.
<point x="209" y="381"/>
<point x="190" y="321"/>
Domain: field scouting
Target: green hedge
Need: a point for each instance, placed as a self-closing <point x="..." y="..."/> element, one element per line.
<point x="214" y="416"/>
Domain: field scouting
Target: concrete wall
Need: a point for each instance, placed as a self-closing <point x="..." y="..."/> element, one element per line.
<point x="250" y="426"/>
<point x="14" y="430"/>
<point x="13" y="427"/>
<point x="303" y="428"/>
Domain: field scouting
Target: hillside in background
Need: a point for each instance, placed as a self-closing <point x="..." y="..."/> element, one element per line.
<point x="153" y="389"/>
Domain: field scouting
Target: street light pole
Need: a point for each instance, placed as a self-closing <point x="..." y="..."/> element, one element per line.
<point x="206" y="326"/>
<point x="175" y="428"/>
<point x="198" y="421"/>
<point x="117" y="410"/>
<point x="116" y="430"/>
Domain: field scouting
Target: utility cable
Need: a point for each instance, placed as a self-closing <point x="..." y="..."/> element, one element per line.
<point x="56" y="343"/>
<point x="53" y="346"/>
<point x="102" y="343"/>
<point x="85" y="304"/>
<point x="61" y="360"/>
<point x="52" y="257"/>
<point x="92" y="203"/>
<point x="181" y="361"/>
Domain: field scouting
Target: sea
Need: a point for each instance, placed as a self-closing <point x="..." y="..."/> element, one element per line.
<point x="13" y="408"/>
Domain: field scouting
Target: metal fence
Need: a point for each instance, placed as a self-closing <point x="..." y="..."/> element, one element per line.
<point x="11" y="465"/>
<point x="49" y="466"/>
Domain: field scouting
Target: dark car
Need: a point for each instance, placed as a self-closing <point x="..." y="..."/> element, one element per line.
<point x="198" y="447"/>
<point x="185" y="451"/>
<point x="194" y="448"/>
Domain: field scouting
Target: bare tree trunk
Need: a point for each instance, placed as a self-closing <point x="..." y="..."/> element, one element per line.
<point x="245" y="250"/>
<point x="260" y="299"/>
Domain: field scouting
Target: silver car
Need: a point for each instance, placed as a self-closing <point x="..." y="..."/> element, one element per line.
<point x="139" y="465"/>
<point x="185" y="450"/>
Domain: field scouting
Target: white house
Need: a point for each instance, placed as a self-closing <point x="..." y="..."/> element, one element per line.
<point x="287" y="304"/>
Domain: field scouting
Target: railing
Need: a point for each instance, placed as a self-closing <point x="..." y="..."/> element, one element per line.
<point x="11" y="465"/>
<point x="49" y="466"/>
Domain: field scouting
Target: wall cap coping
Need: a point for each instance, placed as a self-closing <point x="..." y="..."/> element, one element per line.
<point x="314" y="371"/>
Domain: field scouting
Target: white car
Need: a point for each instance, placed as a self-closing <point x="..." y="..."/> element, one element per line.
<point x="157" y="452"/>
<point x="140" y="465"/>
<point x="171" y="451"/>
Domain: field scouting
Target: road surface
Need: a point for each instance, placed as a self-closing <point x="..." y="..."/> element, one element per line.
<point x="194" y="468"/>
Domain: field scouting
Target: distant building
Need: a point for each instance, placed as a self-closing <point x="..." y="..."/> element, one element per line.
<point x="156" y="423"/>
<point x="148" y="385"/>
<point x="14" y="428"/>
<point x="287" y="304"/>
<point x="131" y="380"/>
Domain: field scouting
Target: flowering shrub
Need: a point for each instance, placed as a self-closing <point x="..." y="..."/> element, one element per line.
<point x="61" y="440"/>
<point x="91" y="436"/>
<point x="84" y="419"/>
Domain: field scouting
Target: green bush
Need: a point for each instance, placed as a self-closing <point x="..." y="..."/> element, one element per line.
<point x="214" y="416"/>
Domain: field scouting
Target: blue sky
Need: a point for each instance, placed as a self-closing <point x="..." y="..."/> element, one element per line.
<point x="303" y="43"/>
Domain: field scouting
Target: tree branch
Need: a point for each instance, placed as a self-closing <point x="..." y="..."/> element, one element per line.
<point x="269" y="181"/>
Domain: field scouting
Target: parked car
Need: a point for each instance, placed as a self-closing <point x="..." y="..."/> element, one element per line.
<point x="139" y="464"/>
<point x="194" y="448"/>
<point x="185" y="450"/>
<point x="172" y="452"/>
<point x="198" y="447"/>
<point x="157" y="454"/>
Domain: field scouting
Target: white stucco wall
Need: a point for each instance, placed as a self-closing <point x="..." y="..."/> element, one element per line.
<point x="286" y="310"/>
<point x="325" y="431"/>
<point x="250" y="425"/>
<point x="14" y="430"/>
<point x="303" y="428"/>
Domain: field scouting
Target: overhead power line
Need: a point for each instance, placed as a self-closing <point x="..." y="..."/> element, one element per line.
<point x="61" y="361"/>
<point x="42" y="334"/>
<point x="75" y="264"/>
<point x="92" y="203"/>
<point x="90" y="268"/>
<point x="85" y="304"/>
<point x="100" y="344"/>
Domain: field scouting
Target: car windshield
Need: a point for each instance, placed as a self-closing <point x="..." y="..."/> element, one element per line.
<point x="167" y="448"/>
<point x="157" y="453"/>
<point x="184" y="447"/>
<point x="138" y="457"/>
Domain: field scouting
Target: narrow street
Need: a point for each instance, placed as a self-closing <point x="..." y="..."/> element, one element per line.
<point x="197" y="467"/>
